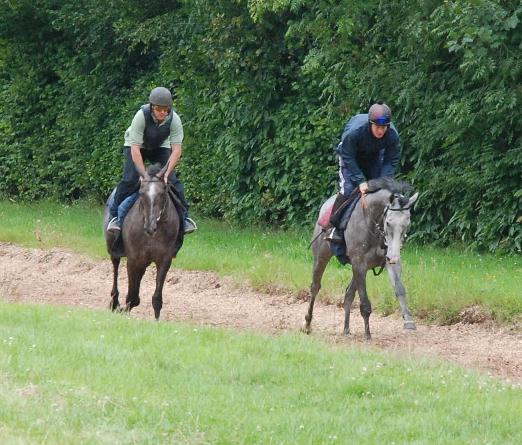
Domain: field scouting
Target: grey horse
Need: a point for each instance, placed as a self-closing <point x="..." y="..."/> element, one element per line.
<point x="149" y="235"/>
<point x="374" y="236"/>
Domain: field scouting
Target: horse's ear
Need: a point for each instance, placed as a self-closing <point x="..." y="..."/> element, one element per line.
<point x="413" y="199"/>
<point x="141" y="171"/>
<point x="161" y="173"/>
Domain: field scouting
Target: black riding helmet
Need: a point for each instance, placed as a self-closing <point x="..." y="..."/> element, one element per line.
<point x="379" y="114"/>
<point x="160" y="96"/>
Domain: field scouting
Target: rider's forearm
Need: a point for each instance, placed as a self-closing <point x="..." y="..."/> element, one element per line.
<point x="137" y="158"/>
<point x="174" y="158"/>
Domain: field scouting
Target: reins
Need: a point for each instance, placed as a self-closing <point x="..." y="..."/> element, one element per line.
<point x="163" y="208"/>
<point x="377" y="233"/>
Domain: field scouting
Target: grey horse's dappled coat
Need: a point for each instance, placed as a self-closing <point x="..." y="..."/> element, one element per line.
<point x="374" y="236"/>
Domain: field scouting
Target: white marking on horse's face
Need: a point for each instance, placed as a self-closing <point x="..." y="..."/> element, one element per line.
<point x="152" y="193"/>
<point x="396" y="225"/>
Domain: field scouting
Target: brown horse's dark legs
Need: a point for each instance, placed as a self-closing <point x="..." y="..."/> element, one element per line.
<point x="157" y="298"/>
<point x="348" y="300"/>
<point x="115" y="304"/>
<point x="135" y="275"/>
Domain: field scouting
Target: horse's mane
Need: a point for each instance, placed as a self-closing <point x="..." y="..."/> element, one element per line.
<point x="394" y="186"/>
<point x="154" y="169"/>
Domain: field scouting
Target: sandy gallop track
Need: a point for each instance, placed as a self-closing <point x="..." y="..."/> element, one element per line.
<point x="64" y="278"/>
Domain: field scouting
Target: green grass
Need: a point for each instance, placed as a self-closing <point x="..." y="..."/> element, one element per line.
<point x="92" y="377"/>
<point x="440" y="282"/>
<point x="46" y="224"/>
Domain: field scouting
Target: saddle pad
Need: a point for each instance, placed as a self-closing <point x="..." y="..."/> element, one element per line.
<point x="326" y="212"/>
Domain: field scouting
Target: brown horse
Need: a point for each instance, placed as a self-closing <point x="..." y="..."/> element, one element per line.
<point x="149" y="234"/>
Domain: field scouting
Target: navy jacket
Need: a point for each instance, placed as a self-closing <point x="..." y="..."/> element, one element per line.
<point x="360" y="152"/>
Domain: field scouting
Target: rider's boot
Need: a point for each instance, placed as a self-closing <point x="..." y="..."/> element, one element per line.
<point x="189" y="225"/>
<point x="114" y="225"/>
<point x="335" y="236"/>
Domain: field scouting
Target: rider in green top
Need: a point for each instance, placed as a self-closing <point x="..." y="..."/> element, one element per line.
<point x="155" y="135"/>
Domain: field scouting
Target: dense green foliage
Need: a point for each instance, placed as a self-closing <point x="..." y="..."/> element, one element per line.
<point x="264" y="88"/>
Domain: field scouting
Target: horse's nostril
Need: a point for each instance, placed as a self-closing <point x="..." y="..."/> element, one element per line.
<point x="150" y="230"/>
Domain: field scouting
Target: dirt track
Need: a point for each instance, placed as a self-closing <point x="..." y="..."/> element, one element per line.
<point x="63" y="278"/>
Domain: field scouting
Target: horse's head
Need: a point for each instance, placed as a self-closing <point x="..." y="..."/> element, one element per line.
<point x="396" y="223"/>
<point x="153" y="197"/>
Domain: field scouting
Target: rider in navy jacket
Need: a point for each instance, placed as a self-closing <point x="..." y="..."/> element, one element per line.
<point x="369" y="149"/>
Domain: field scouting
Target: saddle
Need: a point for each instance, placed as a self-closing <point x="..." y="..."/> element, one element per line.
<point x="343" y="213"/>
<point x="340" y="218"/>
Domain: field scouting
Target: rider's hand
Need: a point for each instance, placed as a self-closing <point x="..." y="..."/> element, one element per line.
<point x="363" y="187"/>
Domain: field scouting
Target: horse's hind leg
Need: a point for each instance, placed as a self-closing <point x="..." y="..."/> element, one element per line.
<point x="115" y="304"/>
<point x="394" y="272"/>
<point x="157" y="298"/>
<point x="322" y="256"/>
<point x="135" y="274"/>
<point x="348" y="300"/>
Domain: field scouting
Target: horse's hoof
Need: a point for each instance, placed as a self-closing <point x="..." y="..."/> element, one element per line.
<point x="410" y="325"/>
<point x="306" y="329"/>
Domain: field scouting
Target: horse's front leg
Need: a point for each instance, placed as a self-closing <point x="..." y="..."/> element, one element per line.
<point x="359" y="276"/>
<point x="161" y="274"/>
<point x="348" y="300"/>
<point x="394" y="273"/>
<point x="115" y="304"/>
<point x="135" y="274"/>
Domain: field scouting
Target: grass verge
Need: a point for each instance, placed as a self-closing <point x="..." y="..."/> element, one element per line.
<point x="82" y="377"/>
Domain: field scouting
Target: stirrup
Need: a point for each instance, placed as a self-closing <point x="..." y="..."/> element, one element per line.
<point x="114" y="225"/>
<point x="189" y="226"/>
<point x="335" y="236"/>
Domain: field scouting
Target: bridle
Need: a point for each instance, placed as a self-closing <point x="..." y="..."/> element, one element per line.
<point x="376" y="227"/>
